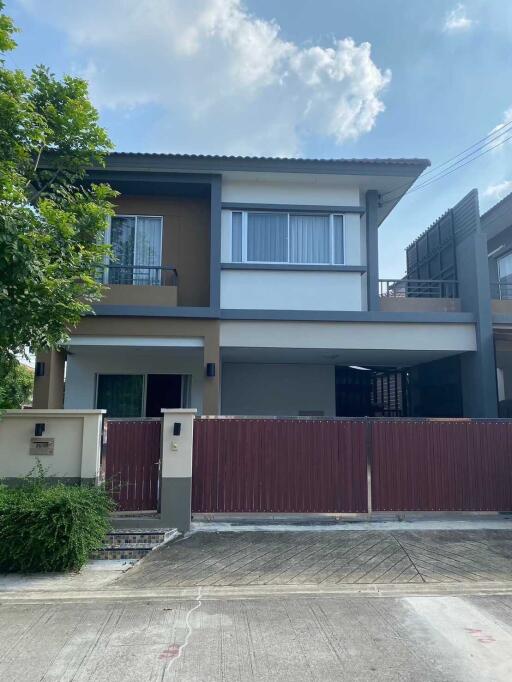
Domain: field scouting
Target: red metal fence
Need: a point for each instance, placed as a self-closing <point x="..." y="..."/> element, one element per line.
<point x="441" y="465"/>
<point x="279" y="465"/>
<point x="132" y="463"/>
<point x="321" y="465"/>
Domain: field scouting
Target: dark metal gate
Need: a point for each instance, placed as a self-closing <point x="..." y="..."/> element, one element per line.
<point x="132" y="463"/>
<point x="323" y="465"/>
<point x="279" y="465"/>
<point x="441" y="465"/>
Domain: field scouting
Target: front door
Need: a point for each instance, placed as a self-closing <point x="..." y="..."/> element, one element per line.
<point x="163" y="391"/>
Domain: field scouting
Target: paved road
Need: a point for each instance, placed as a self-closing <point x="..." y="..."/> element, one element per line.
<point x="320" y="638"/>
<point x="327" y="558"/>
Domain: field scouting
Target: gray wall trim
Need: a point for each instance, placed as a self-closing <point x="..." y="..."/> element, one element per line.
<point x="346" y="316"/>
<point x="292" y="207"/>
<point x="372" y="249"/>
<point x="16" y="482"/>
<point x="176" y="503"/>
<point x="155" y="311"/>
<point x="145" y="175"/>
<point x="215" y="241"/>
<point x="285" y="315"/>
<point x="170" y="162"/>
<point x="293" y="266"/>
<point x="479" y="385"/>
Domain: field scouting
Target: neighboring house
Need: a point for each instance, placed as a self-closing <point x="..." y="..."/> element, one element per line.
<point x="497" y="225"/>
<point x="250" y="286"/>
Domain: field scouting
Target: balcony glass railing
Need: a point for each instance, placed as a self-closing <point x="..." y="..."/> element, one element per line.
<point x="418" y="288"/>
<point x="139" y="275"/>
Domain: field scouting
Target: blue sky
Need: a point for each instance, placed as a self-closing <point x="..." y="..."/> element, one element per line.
<point x="317" y="78"/>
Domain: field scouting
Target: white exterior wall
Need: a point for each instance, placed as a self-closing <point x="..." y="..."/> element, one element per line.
<point x="277" y="389"/>
<point x="290" y="290"/>
<point x="84" y="364"/>
<point x="281" y="188"/>
<point x="348" y="335"/>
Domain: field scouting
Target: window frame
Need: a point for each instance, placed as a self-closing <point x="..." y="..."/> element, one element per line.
<point x="135" y="216"/>
<point x="501" y="280"/>
<point x="331" y="216"/>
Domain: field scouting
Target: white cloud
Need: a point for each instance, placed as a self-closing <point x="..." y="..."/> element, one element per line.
<point x="498" y="191"/>
<point x="457" y="20"/>
<point x="507" y="118"/>
<point x="222" y="79"/>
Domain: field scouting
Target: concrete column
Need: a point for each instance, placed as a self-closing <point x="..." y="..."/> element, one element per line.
<point x="49" y="388"/>
<point x="92" y="432"/>
<point x="176" y="472"/>
<point x="211" y="385"/>
<point x="372" y="249"/>
<point x="478" y="369"/>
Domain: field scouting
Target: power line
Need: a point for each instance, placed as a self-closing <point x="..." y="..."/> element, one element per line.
<point x="491" y="137"/>
<point x="449" y="172"/>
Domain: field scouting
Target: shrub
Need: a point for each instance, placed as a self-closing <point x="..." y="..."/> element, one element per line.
<point x="51" y="527"/>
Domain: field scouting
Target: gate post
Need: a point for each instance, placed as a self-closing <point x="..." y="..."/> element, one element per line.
<point x="176" y="471"/>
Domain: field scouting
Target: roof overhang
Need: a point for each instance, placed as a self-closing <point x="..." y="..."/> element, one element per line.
<point x="392" y="177"/>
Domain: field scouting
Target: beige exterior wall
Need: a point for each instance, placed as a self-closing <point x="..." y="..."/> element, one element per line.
<point x="121" y="294"/>
<point x="77" y="444"/>
<point x="185" y="242"/>
<point x="49" y="388"/>
<point x="501" y="307"/>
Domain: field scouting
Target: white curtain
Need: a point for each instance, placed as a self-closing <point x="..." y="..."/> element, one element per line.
<point x="267" y="237"/>
<point x="236" y="237"/>
<point x="310" y="238"/>
<point x="148" y="250"/>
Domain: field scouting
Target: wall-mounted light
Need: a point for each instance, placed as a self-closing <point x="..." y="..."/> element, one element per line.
<point x="39" y="370"/>
<point x="210" y="369"/>
<point x="39" y="429"/>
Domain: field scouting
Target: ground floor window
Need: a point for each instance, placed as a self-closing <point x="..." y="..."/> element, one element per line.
<point x="141" y="395"/>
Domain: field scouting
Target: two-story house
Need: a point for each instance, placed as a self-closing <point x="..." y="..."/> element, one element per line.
<point x="250" y="286"/>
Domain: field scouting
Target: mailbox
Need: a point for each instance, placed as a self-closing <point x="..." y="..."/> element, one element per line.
<point x="41" y="446"/>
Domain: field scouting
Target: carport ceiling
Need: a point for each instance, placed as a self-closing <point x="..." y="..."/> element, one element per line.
<point x="371" y="358"/>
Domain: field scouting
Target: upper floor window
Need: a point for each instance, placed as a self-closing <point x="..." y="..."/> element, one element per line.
<point x="300" y="238"/>
<point x="505" y="268"/>
<point x="137" y="246"/>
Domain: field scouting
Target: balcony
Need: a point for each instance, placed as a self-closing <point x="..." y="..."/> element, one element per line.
<point x="419" y="295"/>
<point x="501" y="295"/>
<point x="139" y="285"/>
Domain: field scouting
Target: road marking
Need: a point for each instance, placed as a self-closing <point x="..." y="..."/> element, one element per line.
<point x="480" y="643"/>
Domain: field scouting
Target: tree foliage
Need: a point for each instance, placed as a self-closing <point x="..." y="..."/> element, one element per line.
<point x="51" y="219"/>
<point x="16" y="382"/>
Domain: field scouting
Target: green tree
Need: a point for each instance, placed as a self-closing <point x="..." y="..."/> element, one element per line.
<point x="51" y="219"/>
<point x="16" y="386"/>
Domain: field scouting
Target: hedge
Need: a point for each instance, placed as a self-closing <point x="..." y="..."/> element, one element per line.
<point x="51" y="527"/>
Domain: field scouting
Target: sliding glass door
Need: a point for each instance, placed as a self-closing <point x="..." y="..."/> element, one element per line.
<point x="137" y="247"/>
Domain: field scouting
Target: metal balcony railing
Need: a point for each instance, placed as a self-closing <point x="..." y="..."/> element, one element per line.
<point x="139" y="275"/>
<point x="501" y="291"/>
<point x="418" y="288"/>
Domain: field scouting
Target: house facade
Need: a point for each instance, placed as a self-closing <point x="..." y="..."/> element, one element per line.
<point x="250" y="286"/>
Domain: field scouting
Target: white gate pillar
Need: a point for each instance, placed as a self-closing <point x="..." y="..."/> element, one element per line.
<point x="176" y="468"/>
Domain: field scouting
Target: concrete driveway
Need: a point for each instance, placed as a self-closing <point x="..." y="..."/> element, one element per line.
<point x="327" y="558"/>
